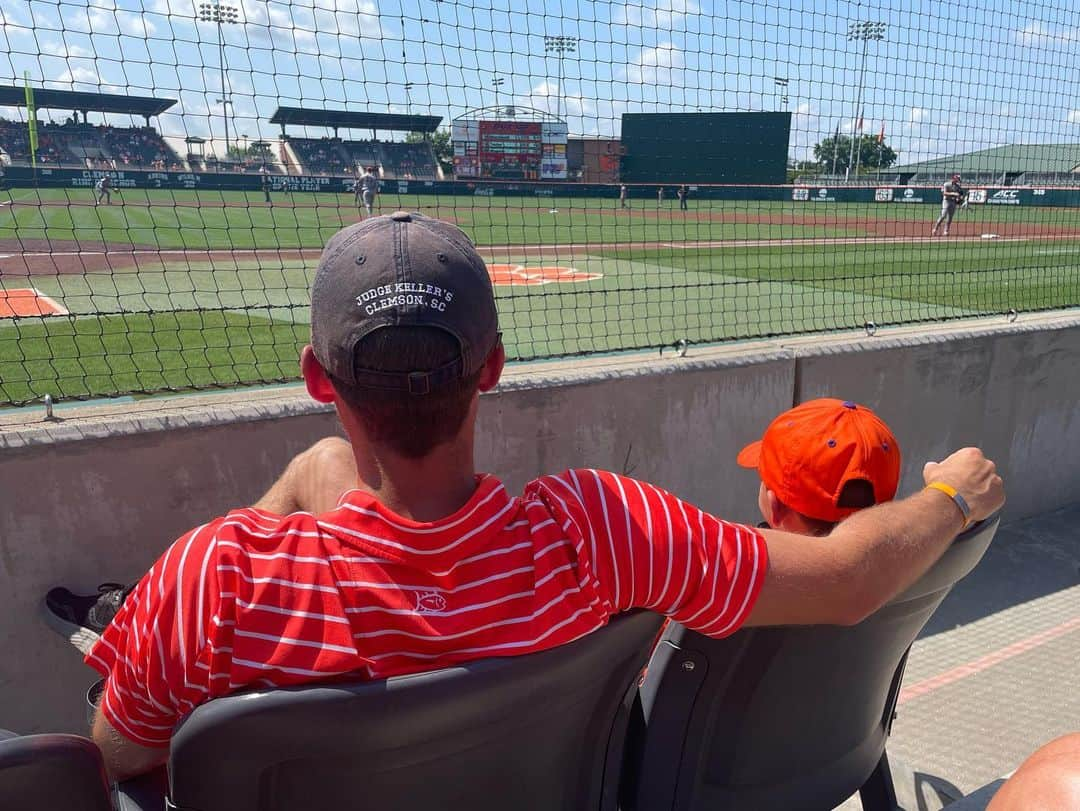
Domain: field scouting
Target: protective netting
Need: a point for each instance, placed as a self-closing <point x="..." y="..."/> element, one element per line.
<point x="637" y="175"/>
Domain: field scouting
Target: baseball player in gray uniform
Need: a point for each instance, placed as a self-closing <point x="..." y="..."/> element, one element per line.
<point x="367" y="187"/>
<point x="103" y="190"/>
<point x="953" y="196"/>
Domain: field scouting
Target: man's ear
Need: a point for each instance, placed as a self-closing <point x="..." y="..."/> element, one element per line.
<point x="492" y="369"/>
<point x="318" y="384"/>
<point x="775" y="510"/>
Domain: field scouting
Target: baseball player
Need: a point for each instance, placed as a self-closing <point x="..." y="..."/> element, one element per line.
<point x="103" y="190"/>
<point x="622" y="195"/>
<point x="660" y="197"/>
<point x="953" y="196"/>
<point x="682" y="193"/>
<point x="264" y="182"/>
<point x="367" y="187"/>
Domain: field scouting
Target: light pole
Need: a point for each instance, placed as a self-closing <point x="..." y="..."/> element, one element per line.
<point x="781" y="84"/>
<point x="221" y="14"/>
<point x="864" y="32"/>
<point x="560" y="45"/>
<point x="497" y="82"/>
<point x="408" y="97"/>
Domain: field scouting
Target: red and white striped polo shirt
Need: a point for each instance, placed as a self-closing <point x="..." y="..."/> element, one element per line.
<point x="256" y="599"/>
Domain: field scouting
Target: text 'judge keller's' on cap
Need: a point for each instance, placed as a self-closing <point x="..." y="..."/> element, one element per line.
<point x="404" y="270"/>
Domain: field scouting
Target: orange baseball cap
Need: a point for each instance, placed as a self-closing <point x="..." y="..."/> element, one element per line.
<point x="808" y="455"/>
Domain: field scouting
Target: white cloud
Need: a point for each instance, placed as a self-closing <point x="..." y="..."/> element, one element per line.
<point x="918" y="114"/>
<point x="77" y="77"/>
<point x="804" y="110"/>
<point x="103" y="17"/>
<point x="1039" y="35"/>
<point x="655" y="65"/>
<point x="660" y="14"/>
<point x="1073" y="117"/>
<point x="545" y="96"/>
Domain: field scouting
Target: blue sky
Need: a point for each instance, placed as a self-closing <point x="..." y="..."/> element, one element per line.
<point x="950" y="76"/>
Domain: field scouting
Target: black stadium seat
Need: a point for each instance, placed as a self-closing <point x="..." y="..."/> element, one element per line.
<point x="541" y="732"/>
<point x="51" y="773"/>
<point x="783" y="718"/>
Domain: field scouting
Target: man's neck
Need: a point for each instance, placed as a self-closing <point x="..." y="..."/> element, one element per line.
<point x="426" y="489"/>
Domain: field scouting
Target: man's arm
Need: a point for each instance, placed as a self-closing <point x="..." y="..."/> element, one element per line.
<point x="314" y="480"/>
<point x="876" y="553"/>
<point x="124" y="758"/>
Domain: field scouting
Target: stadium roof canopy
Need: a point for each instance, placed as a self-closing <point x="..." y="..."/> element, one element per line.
<point x="1015" y="158"/>
<point x="390" y="122"/>
<point x="146" y="106"/>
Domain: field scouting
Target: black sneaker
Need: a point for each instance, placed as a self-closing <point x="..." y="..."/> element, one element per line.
<point x="81" y="619"/>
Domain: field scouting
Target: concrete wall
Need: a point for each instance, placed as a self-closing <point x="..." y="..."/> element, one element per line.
<point x="100" y="494"/>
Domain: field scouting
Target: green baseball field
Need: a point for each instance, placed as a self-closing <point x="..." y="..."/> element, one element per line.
<point x="181" y="290"/>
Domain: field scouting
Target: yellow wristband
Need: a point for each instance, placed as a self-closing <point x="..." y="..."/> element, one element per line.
<point x="958" y="499"/>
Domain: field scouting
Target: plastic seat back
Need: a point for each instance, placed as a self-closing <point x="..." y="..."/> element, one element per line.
<point x="540" y="732"/>
<point x="49" y="772"/>
<point x="787" y="717"/>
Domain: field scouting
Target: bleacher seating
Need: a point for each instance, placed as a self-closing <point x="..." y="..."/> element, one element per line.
<point x="363" y="153"/>
<point x="321" y="156"/>
<point x="407" y="161"/>
<point x="80" y="145"/>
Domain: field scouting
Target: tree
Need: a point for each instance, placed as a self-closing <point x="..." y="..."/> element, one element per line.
<point x="871" y="154"/>
<point x="440" y="145"/>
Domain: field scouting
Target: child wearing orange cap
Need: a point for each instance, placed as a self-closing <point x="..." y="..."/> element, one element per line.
<point x="820" y="462"/>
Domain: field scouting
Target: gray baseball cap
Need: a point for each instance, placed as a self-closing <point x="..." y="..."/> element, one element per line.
<point x="404" y="270"/>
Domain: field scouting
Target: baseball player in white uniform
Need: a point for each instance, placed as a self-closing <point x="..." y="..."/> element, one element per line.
<point x="953" y="196"/>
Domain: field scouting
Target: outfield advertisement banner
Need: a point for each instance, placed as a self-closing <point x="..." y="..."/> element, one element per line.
<point x="26" y="177"/>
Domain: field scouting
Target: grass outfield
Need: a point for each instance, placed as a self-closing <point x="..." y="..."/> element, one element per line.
<point x="177" y="322"/>
<point x="176" y="220"/>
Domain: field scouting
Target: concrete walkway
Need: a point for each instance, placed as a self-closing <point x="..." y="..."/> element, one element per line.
<point x="995" y="673"/>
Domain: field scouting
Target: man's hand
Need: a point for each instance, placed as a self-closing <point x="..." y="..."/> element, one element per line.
<point x="314" y="480"/>
<point x="974" y="477"/>
<point x="875" y="554"/>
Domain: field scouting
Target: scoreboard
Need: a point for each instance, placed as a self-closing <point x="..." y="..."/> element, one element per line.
<point x="522" y="150"/>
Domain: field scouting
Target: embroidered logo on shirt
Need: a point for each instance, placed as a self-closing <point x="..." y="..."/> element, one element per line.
<point x="429" y="601"/>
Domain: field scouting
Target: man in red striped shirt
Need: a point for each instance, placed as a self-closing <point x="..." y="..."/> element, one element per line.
<point x="422" y="563"/>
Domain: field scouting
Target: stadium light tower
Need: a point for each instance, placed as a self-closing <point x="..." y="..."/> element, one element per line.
<point x="781" y="85"/>
<point x="861" y="31"/>
<point x="408" y="97"/>
<point x="560" y="45"/>
<point x="497" y="82"/>
<point x="221" y="14"/>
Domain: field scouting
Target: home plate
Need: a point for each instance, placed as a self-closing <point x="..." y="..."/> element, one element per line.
<point x="989" y="236"/>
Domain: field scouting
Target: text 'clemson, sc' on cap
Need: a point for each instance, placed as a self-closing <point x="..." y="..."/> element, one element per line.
<point x="402" y="270"/>
<point x="809" y="453"/>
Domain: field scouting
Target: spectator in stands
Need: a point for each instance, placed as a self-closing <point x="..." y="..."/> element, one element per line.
<point x="820" y="462"/>
<point x="304" y="586"/>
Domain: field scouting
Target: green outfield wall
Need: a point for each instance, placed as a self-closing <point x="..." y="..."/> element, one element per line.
<point x="20" y="177"/>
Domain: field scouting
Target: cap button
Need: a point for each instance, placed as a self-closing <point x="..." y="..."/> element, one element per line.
<point x="849" y="404"/>
<point x="401" y="216"/>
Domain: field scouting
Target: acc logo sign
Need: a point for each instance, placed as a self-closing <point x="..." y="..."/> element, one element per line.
<point x="516" y="275"/>
<point x="909" y="192"/>
<point x="1009" y="197"/>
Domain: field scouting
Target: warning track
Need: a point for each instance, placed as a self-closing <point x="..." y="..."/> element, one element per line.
<point x="53" y="262"/>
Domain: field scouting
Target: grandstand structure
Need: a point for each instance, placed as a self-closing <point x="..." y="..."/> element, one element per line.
<point x="1009" y="165"/>
<point x="334" y="155"/>
<point x="78" y="143"/>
